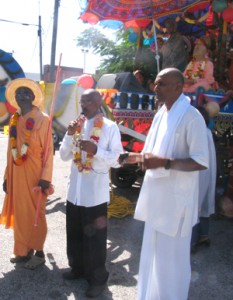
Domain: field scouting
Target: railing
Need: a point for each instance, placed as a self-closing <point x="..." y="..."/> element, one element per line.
<point x="134" y="100"/>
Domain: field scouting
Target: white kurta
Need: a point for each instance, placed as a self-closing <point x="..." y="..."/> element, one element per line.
<point x="93" y="188"/>
<point x="168" y="203"/>
<point x="207" y="182"/>
<point x="163" y="201"/>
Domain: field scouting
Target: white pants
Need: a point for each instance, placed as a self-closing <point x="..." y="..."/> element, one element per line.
<point x="164" y="270"/>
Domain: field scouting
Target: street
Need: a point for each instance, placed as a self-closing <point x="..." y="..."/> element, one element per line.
<point x="212" y="268"/>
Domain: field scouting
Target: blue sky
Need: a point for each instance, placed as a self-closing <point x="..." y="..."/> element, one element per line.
<point x="23" y="41"/>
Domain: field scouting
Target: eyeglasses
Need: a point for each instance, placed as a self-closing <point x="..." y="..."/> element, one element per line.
<point x="23" y="96"/>
<point x="86" y="102"/>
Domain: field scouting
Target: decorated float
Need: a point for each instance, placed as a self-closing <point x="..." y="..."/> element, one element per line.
<point x="131" y="106"/>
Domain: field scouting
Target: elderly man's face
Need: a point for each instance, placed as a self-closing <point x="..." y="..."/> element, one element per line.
<point x="90" y="105"/>
<point x="165" y="87"/>
<point x="24" y="96"/>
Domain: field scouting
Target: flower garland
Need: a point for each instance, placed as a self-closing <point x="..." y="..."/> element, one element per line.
<point x="20" y="158"/>
<point x="199" y="73"/>
<point x="200" y="20"/>
<point x="85" y="167"/>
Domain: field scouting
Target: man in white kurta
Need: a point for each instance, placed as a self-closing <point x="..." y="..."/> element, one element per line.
<point x="88" y="191"/>
<point x="175" y="149"/>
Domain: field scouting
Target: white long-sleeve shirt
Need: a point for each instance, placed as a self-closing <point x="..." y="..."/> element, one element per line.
<point x="93" y="188"/>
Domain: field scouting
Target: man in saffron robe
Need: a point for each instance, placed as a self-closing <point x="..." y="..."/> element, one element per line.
<point x="28" y="172"/>
<point x="175" y="149"/>
<point x="93" y="143"/>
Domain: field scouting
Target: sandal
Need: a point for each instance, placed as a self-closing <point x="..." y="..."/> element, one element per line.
<point x="34" y="262"/>
<point x="18" y="259"/>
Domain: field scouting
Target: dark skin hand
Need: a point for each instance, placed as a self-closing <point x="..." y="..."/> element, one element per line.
<point x="150" y="161"/>
<point x="85" y="145"/>
<point x="88" y="146"/>
<point x="44" y="184"/>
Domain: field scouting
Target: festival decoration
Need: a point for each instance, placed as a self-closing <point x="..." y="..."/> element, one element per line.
<point x="85" y="167"/>
<point x="133" y="37"/>
<point x="218" y="6"/>
<point x="212" y="109"/>
<point x="9" y="70"/>
<point x="69" y="81"/>
<point x="195" y="75"/>
<point x="86" y="81"/>
<point x="123" y="10"/>
<point x="3" y="110"/>
<point x="90" y="18"/>
<point x="199" y="20"/>
<point x="228" y="14"/>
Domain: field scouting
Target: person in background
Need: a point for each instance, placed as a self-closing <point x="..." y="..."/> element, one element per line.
<point x="93" y="144"/>
<point x="29" y="168"/>
<point x="206" y="200"/>
<point x="139" y="76"/>
<point x="175" y="150"/>
<point x="200" y="70"/>
<point x="173" y="52"/>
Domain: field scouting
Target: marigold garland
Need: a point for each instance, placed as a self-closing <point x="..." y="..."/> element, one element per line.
<point x="200" y="20"/>
<point x="85" y="167"/>
<point x="30" y="122"/>
<point x="199" y="72"/>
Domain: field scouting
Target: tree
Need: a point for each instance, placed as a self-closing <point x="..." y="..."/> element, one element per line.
<point x="117" y="56"/>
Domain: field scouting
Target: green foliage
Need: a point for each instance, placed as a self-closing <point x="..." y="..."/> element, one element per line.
<point x="117" y="56"/>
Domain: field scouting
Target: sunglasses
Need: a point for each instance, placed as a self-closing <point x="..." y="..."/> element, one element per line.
<point x="23" y="96"/>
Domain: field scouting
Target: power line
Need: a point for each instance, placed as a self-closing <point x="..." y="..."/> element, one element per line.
<point x="39" y="35"/>
<point x="24" y="24"/>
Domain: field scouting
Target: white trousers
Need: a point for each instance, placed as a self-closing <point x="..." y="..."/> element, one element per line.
<point x="165" y="269"/>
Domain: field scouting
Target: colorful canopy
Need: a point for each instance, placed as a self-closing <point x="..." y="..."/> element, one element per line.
<point x="127" y="10"/>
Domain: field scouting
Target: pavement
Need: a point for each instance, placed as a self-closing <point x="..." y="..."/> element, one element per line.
<point x="212" y="272"/>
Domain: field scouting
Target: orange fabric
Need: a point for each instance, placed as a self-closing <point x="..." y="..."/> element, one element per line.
<point x="19" y="207"/>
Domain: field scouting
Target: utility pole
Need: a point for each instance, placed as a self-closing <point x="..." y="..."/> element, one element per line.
<point x="40" y="50"/>
<point x="54" y="41"/>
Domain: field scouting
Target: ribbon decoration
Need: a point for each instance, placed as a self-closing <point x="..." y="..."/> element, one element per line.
<point x="50" y="189"/>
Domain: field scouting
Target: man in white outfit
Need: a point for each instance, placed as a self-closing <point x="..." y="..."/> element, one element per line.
<point x="175" y="150"/>
<point x="93" y="144"/>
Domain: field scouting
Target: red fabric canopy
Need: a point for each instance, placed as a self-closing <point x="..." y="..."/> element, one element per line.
<point x="127" y="10"/>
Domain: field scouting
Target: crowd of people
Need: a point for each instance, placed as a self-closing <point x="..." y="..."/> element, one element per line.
<point x="177" y="158"/>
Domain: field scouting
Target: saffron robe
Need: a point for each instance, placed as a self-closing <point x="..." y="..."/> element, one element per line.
<point x="20" y="203"/>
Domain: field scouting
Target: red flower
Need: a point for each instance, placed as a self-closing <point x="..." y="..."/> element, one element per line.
<point x="24" y="157"/>
<point x="30" y="123"/>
